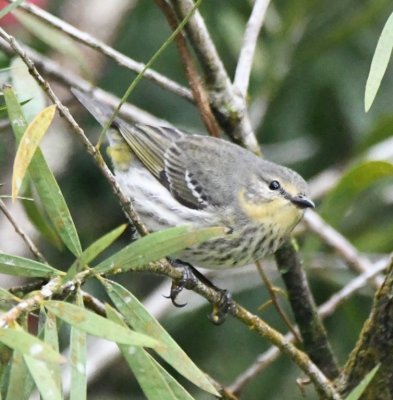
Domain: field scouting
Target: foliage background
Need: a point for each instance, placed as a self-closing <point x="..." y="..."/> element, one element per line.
<point x="306" y="99"/>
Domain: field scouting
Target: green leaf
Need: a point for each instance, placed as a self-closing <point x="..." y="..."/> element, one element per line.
<point x="96" y="325"/>
<point x="19" y="266"/>
<point x="40" y="219"/>
<point x="351" y="185"/>
<point x="9" y="8"/>
<point x="379" y="63"/>
<point x="101" y="244"/>
<point x="51" y="337"/>
<point x="41" y="373"/>
<point x="29" y="345"/>
<point x="5" y="295"/>
<point x="93" y="251"/>
<point x="381" y="131"/>
<point x="28" y="145"/>
<point x="142" y="321"/>
<point x="30" y="95"/>
<point x="19" y="374"/>
<point x="361" y="387"/>
<point x="44" y="181"/>
<point x="78" y="351"/>
<point x="146" y="369"/>
<point x="155" y="246"/>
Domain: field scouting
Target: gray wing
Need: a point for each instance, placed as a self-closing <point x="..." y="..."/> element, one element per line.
<point x="194" y="168"/>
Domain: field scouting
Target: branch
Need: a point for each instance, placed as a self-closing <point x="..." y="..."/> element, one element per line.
<point x="313" y="332"/>
<point x="375" y="346"/>
<point x="228" y="106"/>
<point x="119" y="58"/>
<point x="246" y="57"/>
<point x="324" y="310"/>
<point x="198" y="91"/>
<point x="30" y="244"/>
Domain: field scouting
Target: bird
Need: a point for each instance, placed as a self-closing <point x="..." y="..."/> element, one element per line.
<point x="176" y="178"/>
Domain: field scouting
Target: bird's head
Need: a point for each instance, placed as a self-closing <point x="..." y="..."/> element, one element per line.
<point x="274" y="195"/>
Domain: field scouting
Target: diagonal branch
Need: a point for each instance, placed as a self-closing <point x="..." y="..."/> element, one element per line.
<point x="246" y="57"/>
<point x="228" y="106"/>
<point x="198" y="91"/>
<point x="30" y="244"/>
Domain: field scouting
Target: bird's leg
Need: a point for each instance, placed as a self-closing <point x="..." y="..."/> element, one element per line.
<point x="189" y="280"/>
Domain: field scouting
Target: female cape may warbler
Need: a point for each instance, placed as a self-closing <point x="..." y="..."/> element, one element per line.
<point x="176" y="178"/>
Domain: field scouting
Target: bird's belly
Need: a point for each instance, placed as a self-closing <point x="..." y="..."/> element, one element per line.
<point x="234" y="250"/>
<point x="156" y="206"/>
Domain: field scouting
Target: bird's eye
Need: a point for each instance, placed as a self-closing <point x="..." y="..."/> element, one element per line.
<point x="274" y="185"/>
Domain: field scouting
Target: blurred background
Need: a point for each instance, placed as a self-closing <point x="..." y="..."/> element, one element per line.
<point x="306" y="102"/>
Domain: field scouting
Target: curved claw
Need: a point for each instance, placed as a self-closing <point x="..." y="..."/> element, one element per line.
<point x="173" y="296"/>
<point x="222" y="308"/>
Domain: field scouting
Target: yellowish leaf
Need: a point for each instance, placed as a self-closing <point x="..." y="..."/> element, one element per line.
<point x="31" y="139"/>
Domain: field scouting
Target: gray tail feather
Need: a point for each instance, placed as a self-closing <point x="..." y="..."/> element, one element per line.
<point x="101" y="112"/>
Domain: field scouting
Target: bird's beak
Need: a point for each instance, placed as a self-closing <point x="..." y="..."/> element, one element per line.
<point x="302" y="201"/>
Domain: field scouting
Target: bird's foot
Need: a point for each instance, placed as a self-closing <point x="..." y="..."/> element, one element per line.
<point x="189" y="279"/>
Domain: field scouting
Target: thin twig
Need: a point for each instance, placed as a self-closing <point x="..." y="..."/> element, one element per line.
<point x="119" y="58"/>
<point x="276" y="303"/>
<point x="324" y="310"/>
<point x="343" y="247"/>
<point x="30" y="244"/>
<point x="246" y="57"/>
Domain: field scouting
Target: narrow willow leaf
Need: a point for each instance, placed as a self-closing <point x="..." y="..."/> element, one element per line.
<point x="9" y="8"/>
<point x="361" y="387"/>
<point x="29" y="93"/>
<point x="93" y="251"/>
<point x="5" y="295"/>
<point x="101" y="244"/>
<point x="142" y="321"/>
<point x="20" y="266"/>
<point x="351" y="185"/>
<point x="155" y="246"/>
<point x="29" y="143"/>
<point x="29" y="345"/>
<point x="379" y="63"/>
<point x="96" y="325"/>
<point x="18" y="376"/>
<point x="149" y="377"/>
<point x="51" y="337"/>
<point x="47" y="188"/>
<point x="41" y="373"/>
<point x="78" y="386"/>
<point x="40" y="220"/>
